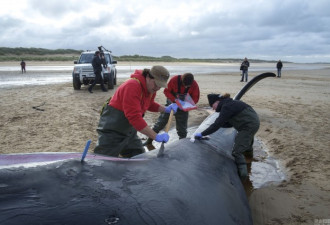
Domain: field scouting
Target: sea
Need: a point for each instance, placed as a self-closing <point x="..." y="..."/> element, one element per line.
<point x="43" y="75"/>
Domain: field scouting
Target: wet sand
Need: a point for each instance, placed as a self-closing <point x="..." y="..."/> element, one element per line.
<point x="294" y="112"/>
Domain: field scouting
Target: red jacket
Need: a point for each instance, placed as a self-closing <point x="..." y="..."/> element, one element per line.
<point x="172" y="86"/>
<point x="133" y="98"/>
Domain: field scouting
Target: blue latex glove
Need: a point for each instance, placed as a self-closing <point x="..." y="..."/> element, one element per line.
<point x="173" y="107"/>
<point x="164" y="137"/>
<point x="198" y="136"/>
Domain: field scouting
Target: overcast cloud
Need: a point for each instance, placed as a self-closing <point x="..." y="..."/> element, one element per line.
<point x="292" y="30"/>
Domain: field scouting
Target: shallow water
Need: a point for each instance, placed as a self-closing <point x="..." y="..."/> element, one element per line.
<point x="19" y="80"/>
<point x="42" y="75"/>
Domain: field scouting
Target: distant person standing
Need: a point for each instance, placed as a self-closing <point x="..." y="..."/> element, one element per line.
<point x="279" y="66"/>
<point x="23" y="64"/>
<point x="244" y="67"/>
<point x="97" y="67"/>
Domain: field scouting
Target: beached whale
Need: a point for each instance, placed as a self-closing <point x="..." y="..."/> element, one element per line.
<point x="194" y="182"/>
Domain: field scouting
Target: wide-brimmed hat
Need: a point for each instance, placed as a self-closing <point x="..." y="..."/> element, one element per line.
<point x="213" y="98"/>
<point x="160" y="74"/>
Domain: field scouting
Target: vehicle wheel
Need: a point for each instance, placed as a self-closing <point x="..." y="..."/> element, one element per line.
<point x="110" y="81"/>
<point x="115" y="78"/>
<point x="76" y="84"/>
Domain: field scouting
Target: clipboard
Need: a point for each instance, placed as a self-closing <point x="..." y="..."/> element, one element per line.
<point x="186" y="105"/>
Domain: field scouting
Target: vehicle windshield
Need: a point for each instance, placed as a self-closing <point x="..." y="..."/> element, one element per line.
<point x="87" y="58"/>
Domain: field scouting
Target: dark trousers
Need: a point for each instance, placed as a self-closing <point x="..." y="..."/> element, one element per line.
<point x="181" y="119"/>
<point x="244" y="75"/>
<point x="98" y="79"/>
<point x="244" y="138"/>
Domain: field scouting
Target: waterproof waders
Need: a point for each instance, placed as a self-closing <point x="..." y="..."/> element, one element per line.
<point x="247" y="124"/>
<point x="116" y="136"/>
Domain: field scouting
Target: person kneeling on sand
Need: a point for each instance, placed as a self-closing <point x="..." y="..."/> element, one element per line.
<point x="122" y="117"/>
<point x="243" y="118"/>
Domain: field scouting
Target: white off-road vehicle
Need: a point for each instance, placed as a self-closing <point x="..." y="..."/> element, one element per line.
<point x="83" y="72"/>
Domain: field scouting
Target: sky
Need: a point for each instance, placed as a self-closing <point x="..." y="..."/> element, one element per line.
<point x="290" y="30"/>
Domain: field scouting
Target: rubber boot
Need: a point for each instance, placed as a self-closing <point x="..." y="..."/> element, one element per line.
<point x="242" y="171"/>
<point x="90" y="89"/>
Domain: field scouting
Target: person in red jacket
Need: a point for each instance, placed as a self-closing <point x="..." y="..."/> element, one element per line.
<point x="177" y="87"/>
<point x="122" y="117"/>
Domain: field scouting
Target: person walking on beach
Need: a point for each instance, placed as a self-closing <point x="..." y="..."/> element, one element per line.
<point x="122" y="116"/>
<point x="97" y="67"/>
<point x="23" y="64"/>
<point x="279" y="66"/>
<point x="243" y="118"/>
<point x="177" y="87"/>
<point x="244" y="67"/>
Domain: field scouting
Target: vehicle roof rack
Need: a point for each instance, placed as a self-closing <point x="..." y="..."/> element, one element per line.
<point x="104" y="49"/>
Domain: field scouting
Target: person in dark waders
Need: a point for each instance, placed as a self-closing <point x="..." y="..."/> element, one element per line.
<point x="177" y="87"/>
<point x="122" y="116"/>
<point x="97" y="67"/>
<point x="243" y="118"/>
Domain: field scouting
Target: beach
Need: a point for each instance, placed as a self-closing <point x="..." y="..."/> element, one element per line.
<point x="294" y="111"/>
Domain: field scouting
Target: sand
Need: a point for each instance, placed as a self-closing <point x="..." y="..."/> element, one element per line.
<point x="294" y="112"/>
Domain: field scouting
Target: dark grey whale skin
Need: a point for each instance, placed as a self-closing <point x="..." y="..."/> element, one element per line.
<point x="193" y="183"/>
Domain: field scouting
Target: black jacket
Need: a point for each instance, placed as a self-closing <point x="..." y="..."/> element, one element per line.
<point x="279" y="65"/>
<point x="245" y="65"/>
<point x="228" y="108"/>
<point x="97" y="64"/>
